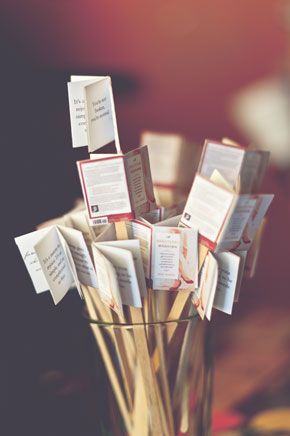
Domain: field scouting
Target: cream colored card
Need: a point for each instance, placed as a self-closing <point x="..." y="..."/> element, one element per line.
<point x="108" y="286"/>
<point x="76" y="98"/>
<point x="26" y="245"/>
<point x="228" y="272"/>
<point x="100" y="115"/>
<point x="203" y="297"/>
<point x="123" y="263"/>
<point x="55" y="264"/>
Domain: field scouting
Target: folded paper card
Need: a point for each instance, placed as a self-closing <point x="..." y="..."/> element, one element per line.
<point x="228" y="274"/>
<point x="117" y="187"/>
<point x="92" y="112"/>
<point x="172" y="158"/>
<point x="242" y="168"/>
<point x="220" y="215"/>
<point x="203" y="297"/>
<point x="57" y="258"/>
<point x="122" y="261"/>
<point x="169" y="253"/>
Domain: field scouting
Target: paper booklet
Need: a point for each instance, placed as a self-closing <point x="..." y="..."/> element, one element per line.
<point x="203" y="297"/>
<point x="173" y="160"/>
<point x="227" y="283"/>
<point x="57" y="258"/>
<point x="242" y="168"/>
<point x="78" y="219"/>
<point x="219" y="283"/>
<point x="225" y="220"/>
<point x="92" y="112"/>
<point x="117" y="187"/>
<point x="119" y="268"/>
<point x="169" y="253"/>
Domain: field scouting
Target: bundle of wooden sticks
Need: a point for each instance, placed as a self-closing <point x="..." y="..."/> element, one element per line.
<point x="155" y="360"/>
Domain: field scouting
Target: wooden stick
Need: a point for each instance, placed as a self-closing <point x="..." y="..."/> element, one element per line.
<point x="149" y="379"/>
<point x="185" y="352"/>
<point x="184" y="421"/>
<point x="110" y="316"/>
<point x="108" y="364"/>
<point x="117" y="335"/>
<point x="202" y="252"/>
<point x="163" y="366"/>
<point x="140" y="411"/>
<point x="178" y="305"/>
<point x="174" y="314"/>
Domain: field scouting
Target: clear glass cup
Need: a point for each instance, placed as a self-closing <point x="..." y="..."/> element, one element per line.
<point x="159" y="377"/>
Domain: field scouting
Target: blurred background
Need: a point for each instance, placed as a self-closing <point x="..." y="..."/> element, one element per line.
<point x="196" y="67"/>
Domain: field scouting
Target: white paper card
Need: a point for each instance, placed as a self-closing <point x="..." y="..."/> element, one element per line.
<point x="107" y="282"/>
<point x="224" y="158"/>
<point x="100" y="115"/>
<point x="80" y="254"/>
<point x="76" y="99"/>
<point x="105" y="189"/>
<point x="133" y="246"/>
<point x="123" y="262"/>
<point x="206" y="208"/>
<point x="228" y="271"/>
<point x="203" y="297"/>
<point x="55" y="265"/>
<point x="26" y="244"/>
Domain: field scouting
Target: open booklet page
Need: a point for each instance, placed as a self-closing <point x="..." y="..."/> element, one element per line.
<point x="236" y="221"/>
<point x="80" y="255"/>
<point x="76" y="99"/>
<point x="132" y="245"/>
<point x="123" y="262"/>
<point x="105" y="189"/>
<point x="253" y="170"/>
<point x="55" y="264"/>
<point x="169" y="253"/>
<point x="257" y="215"/>
<point x="226" y="159"/>
<point x="242" y="168"/>
<point x="174" y="258"/>
<point x="203" y="297"/>
<point x="172" y="159"/>
<point x="26" y="244"/>
<point x="207" y="207"/>
<point x="100" y="114"/>
<point x="92" y="112"/>
<point x="228" y="273"/>
<point x="139" y="180"/>
<point x="143" y="232"/>
<point x="108" y="286"/>
<point x="60" y="260"/>
<point x="222" y="217"/>
<point x="117" y="187"/>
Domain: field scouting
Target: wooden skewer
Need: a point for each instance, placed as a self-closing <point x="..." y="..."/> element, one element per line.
<point x="185" y="353"/>
<point x="178" y="306"/>
<point x="108" y="364"/>
<point x="174" y="314"/>
<point x="117" y="336"/>
<point x="184" y="421"/>
<point x="140" y="413"/>
<point x="150" y="382"/>
<point x="149" y="379"/>
<point x="163" y="366"/>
